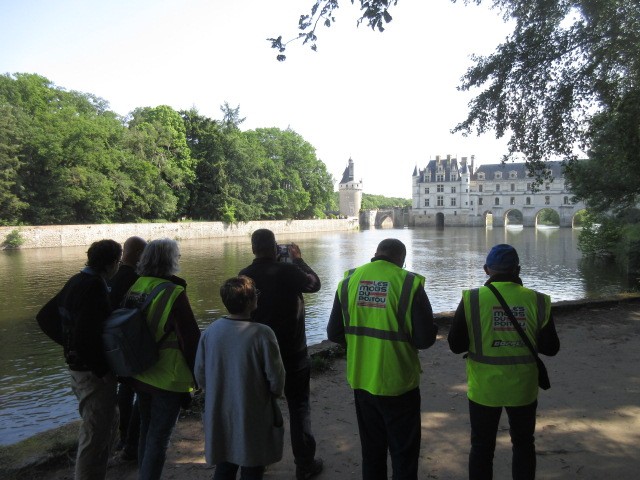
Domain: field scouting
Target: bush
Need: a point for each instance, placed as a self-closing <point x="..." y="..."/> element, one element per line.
<point x="14" y="239"/>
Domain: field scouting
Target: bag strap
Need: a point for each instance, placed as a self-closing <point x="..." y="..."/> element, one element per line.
<point x="515" y="323"/>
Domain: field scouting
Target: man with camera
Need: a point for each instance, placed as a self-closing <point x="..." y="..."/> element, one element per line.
<point x="281" y="281"/>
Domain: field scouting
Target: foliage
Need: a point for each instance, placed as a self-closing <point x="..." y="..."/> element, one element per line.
<point x="373" y="202"/>
<point x="14" y="239"/>
<point x="548" y="216"/>
<point x="66" y="158"/>
<point x="580" y="218"/>
<point x="610" y="179"/>
<point x="375" y="14"/>
<point x="11" y="206"/>
<point x="566" y="64"/>
<point x="600" y="235"/>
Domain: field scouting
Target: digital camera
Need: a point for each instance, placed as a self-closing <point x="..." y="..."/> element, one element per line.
<point x="283" y="253"/>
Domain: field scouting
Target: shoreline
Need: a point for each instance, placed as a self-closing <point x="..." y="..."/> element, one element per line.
<point x="602" y="318"/>
<point x="49" y="236"/>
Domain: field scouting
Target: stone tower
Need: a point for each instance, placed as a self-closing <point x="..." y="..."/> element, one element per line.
<point x="350" y="193"/>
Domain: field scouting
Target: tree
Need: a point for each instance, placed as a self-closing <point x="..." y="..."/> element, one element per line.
<point x="566" y="64"/>
<point x="210" y="198"/>
<point x="11" y="205"/>
<point x="65" y="153"/>
<point x="163" y="143"/>
<point x="609" y="181"/>
<point x="375" y="14"/>
<point x="231" y="116"/>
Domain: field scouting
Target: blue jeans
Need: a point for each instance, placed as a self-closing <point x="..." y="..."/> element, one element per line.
<point x="484" y="427"/>
<point x="227" y="471"/>
<point x="296" y="391"/>
<point x="391" y="423"/>
<point x="158" y="415"/>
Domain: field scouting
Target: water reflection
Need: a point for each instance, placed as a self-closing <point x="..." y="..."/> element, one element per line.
<point x="34" y="390"/>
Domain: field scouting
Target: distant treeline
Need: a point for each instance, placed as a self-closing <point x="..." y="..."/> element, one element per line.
<point x="66" y="158"/>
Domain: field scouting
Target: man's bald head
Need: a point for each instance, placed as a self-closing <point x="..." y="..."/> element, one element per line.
<point x="393" y="249"/>
<point x="133" y="247"/>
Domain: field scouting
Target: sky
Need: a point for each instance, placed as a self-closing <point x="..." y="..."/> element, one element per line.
<point x="387" y="100"/>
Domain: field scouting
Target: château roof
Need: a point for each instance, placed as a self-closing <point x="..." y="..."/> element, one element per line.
<point x="520" y="168"/>
<point x="448" y="165"/>
<point x="345" y="176"/>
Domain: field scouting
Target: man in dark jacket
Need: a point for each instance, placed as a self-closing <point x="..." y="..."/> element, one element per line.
<point x="501" y="370"/>
<point x="120" y="284"/>
<point x="84" y="306"/>
<point x="281" y="307"/>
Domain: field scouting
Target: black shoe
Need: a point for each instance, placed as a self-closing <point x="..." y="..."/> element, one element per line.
<point x="311" y="470"/>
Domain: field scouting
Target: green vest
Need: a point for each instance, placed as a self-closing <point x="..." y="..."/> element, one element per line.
<point x="500" y="368"/>
<point x="376" y="301"/>
<point x="171" y="372"/>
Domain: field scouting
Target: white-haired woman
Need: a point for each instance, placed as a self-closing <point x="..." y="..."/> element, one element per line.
<point x="162" y="388"/>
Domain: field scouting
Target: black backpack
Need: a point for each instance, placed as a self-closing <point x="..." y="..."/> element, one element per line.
<point x="129" y="344"/>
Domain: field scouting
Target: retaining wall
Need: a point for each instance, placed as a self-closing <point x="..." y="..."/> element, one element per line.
<point x="74" y="235"/>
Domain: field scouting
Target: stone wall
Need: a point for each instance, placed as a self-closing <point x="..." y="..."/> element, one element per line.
<point x="74" y="235"/>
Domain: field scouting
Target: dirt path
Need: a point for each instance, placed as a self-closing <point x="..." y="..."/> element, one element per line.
<point x="588" y="422"/>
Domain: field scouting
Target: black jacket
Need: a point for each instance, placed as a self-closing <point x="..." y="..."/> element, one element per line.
<point x="281" y="306"/>
<point x="86" y="299"/>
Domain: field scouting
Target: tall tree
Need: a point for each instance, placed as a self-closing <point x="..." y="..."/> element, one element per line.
<point x="163" y="143"/>
<point x="210" y="192"/>
<point x="11" y="205"/>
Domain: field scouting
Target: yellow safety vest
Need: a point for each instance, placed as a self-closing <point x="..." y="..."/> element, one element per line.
<point x="376" y="301"/>
<point x="500" y="368"/>
<point x="171" y="372"/>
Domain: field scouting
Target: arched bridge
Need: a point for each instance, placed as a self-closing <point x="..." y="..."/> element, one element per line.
<point x="397" y="217"/>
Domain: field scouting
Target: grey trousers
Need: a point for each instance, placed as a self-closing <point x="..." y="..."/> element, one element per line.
<point x="97" y="404"/>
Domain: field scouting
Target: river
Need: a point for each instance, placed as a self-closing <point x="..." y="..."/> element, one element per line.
<point x="34" y="389"/>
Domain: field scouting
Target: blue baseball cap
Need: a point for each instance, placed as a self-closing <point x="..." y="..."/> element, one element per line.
<point x="502" y="258"/>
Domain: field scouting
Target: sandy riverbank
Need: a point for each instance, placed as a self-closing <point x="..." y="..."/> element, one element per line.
<point x="588" y="422"/>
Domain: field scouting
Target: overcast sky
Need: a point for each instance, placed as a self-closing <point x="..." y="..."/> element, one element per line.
<point x="387" y="100"/>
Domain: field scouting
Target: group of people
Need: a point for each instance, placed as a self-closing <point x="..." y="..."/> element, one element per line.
<point x="257" y="353"/>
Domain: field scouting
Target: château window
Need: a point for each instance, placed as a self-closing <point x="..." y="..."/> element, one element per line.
<point x="513" y="187"/>
<point x="513" y="200"/>
<point x="547" y="200"/>
<point x="440" y="177"/>
<point x="453" y="202"/>
<point x="480" y="201"/>
<point x="566" y="200"/>
<point x="440" y="201"/>
<point x="480" y="188"/>
<point x="528" y="186"/>
<point x="426" y="202"/>
<point x="440" y="189"/>
<point x="481" y="176"/>
<point x="513" y="174"/>
<point x="498" y="175"/>
<point x="547" y="186"/>
<point x="528" y="202"/>
<point x="497" y="201"/>
<point x="497" y="187"/>
<point x="453" y="189"/>
<point x="426" y="190"/>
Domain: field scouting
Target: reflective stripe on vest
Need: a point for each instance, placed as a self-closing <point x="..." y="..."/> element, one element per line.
<point x="171" y="372"/>
<point x="478" y="355"/>
<point x="403" y="305"/>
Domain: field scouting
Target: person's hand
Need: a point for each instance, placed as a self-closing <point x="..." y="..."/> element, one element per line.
<point x="294" y="251"/>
